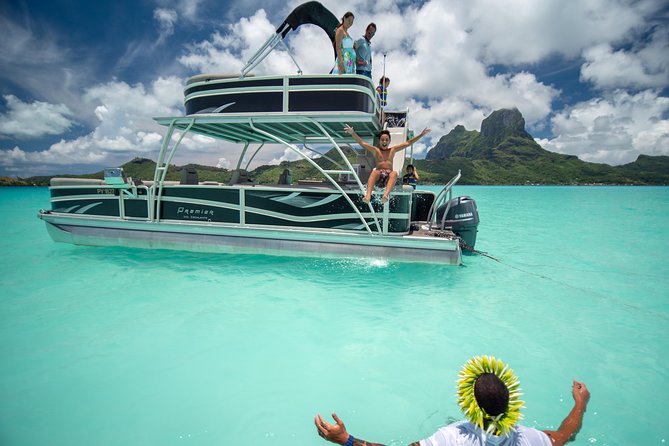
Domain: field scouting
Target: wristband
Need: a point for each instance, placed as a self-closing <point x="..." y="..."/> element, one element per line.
<point x="349" y="442"/>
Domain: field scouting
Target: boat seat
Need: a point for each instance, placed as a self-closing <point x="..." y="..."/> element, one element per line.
<point x="365" y="163"/>
<point x="189" y="176"/>
<point x="286" y="177"/>
<point x="240" y="176"/>
<point x="75" y="181"/>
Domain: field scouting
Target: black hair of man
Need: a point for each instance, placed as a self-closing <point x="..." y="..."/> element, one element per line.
<point x="371" y="25"/>
<point x="491" y="394"/>
<point x="383" y="132"/>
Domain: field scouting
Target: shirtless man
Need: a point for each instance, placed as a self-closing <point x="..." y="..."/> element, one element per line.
<point x="384" y="159"/>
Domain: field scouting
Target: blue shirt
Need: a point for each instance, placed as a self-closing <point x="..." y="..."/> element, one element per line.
<point x="364" y="52"/>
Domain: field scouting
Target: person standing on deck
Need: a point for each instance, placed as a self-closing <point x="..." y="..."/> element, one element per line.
<point x="382" y="88"/>
<point x="488" y="394"/>
<point x="344" y="47"/>
<point x="364" y="52"/>
<point x="384" y="159"/>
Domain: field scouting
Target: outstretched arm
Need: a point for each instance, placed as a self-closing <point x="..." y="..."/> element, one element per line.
<point x="572" y="424"/>
<point x="336" y="433"/>
<point x="406" y="144"/>
<point x="348" y="129"/>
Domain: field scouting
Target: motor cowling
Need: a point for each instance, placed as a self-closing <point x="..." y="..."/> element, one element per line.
<point x="462" y="218"/>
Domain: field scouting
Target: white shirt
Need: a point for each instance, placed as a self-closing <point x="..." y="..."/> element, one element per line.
<point x="464" y="433"/>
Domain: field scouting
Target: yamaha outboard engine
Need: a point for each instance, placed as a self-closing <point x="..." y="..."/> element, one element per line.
<point x="462" y="218"/>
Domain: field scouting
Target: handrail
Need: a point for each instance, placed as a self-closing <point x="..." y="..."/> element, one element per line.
<point x="323" y="155"/>
<point x="438" y="201"/>
<point x="334" y="183"/>
<point x="351" y="171"/>
<point x="162" y="167"/>
<point x="267" y="48"/>
<point x="253" y="156"/>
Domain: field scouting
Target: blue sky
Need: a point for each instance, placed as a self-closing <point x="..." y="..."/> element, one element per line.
<point x="80" y="81"/>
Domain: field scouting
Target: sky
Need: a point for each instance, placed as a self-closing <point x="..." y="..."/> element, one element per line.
<point x="81" y="81"/>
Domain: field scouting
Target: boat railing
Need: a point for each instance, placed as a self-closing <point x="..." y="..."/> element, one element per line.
<point x="444" y="196"/>
<point x="342" y="168"/>
<point x="327" y="173"/>
<point x="162" y="164"/>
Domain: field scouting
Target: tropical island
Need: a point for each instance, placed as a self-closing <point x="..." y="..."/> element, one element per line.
<point x="501" y="153"/>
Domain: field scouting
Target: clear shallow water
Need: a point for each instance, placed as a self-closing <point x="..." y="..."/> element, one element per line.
<point x="122" y="346"/>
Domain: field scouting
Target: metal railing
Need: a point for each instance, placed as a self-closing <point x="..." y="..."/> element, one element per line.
<point x="444" y="196"/>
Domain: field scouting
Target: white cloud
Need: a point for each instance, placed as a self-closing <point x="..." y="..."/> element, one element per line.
<point x="648" y="67"/>
<point x="124" y="130"/>
<point x="24" y="120"/>
<point x="290" y="155"/>
<point x="526" y="31"/>
<point x="227" y="53"/>
<point x="613" y="130"/>
<point x="166" y="19"/>
<point x="223" y="163"/>
<point x="189" y="8"/>
<point x="450" y="62"/>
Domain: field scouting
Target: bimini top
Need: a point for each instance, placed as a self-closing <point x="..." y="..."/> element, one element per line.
<point x="297" y="108"/>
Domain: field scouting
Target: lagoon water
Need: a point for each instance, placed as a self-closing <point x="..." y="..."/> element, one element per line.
<point x="112" y="346"/>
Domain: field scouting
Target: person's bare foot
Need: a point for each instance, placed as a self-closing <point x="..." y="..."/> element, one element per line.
<point x="365" y="200"/>
<point x="384" y="199"/>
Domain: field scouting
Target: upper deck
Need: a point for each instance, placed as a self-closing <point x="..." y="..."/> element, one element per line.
<point x="297" y="109"/>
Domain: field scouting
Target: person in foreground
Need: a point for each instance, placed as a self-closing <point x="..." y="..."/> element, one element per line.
<point x="384" y="159"/>
<point x="488" y="394"/>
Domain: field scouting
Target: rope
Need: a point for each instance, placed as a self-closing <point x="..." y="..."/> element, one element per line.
<point x="465" y="246"/>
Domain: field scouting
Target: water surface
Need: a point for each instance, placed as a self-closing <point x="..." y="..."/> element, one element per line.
<point x="116" y="346"/>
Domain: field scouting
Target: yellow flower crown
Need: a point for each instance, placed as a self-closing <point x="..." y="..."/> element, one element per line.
<point x="503" y="423"/>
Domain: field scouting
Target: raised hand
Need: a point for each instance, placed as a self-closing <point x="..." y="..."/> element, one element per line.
<point x="580" y="392"/>
<point x="335" y="433"/>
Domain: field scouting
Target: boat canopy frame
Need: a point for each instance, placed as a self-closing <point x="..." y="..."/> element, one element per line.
<point x="264" y="129"/>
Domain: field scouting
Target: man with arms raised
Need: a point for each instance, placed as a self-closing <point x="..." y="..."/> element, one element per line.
<point x="488" y="394"/>
<point x="384" y="159"/>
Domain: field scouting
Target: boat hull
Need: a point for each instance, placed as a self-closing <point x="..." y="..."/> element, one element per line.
<point x="213" y="237"/>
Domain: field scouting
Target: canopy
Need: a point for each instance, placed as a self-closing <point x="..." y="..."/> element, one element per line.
<point x="313" y="13"/>
<point x="310" y="12"/>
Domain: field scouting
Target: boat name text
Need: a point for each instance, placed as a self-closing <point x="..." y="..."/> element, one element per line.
<point x="194" y="213"/>
<point x="106" y="191"/>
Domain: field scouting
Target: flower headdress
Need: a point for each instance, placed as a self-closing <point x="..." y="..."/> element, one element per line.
<point x="503" y="423"/>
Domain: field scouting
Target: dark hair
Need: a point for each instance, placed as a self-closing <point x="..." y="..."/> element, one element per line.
<point x="409" y="165"/>
<point x="491" y="394"/>
<point x="347" y="15"/>
<point x="383" y="132"/>
<point x="373" y="25"/>
<point x="383" y="79"/>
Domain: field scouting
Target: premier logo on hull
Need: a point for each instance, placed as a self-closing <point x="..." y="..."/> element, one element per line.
<point x="194" y="214"/>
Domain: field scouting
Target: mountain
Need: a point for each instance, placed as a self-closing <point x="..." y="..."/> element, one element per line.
<point x="503" y="152"/>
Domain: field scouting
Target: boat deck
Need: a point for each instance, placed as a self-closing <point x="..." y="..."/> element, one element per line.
<point x="296" y="109"/>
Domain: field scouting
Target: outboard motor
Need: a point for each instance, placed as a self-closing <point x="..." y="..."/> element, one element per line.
<point x="462" y="218"/>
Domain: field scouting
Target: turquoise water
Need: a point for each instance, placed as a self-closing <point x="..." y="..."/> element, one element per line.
<point x="112" y="346"/>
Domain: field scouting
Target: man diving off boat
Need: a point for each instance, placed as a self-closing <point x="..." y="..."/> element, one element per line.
<point x="384" y="159"/>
